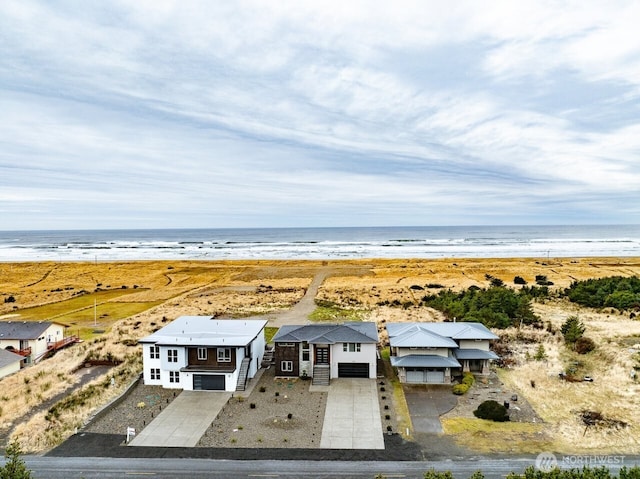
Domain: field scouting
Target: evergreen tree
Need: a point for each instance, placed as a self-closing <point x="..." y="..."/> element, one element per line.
<point x="572" y="329"/>
<point x="14" y="468"/>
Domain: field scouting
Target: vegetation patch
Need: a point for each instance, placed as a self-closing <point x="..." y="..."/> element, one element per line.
<point x="495" y="307"/>
<point x="618" y="292"/>
<point x="329" y="311"/>
<point x="489" y="436"/>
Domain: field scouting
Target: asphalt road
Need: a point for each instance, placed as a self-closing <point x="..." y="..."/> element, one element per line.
<point x="90" y="468"/>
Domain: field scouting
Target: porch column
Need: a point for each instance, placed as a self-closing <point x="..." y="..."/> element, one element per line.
<point x="485" y="367"/>
<point x="465" y="366"/>
<point x="447" y="375"/>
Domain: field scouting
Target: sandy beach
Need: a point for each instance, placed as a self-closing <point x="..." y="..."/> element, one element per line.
<point x="135" y="298"/>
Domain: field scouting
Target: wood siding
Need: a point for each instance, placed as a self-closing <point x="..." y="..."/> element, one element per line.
<point x="212" y="360"/>
<point x="287" y="353"/>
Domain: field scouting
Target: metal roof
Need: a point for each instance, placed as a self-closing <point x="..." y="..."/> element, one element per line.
<point x="7" y="358"/>
<point x="424" y="361"/>
<point x="354" y="332"/>
<point x="207" y="331"/>
<point x="435" y="334"/>
<point x="23" y="329"/>
<point x="417" y="337"/>
<point x="475" y="354"/>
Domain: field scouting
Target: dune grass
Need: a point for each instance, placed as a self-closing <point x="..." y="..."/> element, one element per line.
<point x="488" y="436"/>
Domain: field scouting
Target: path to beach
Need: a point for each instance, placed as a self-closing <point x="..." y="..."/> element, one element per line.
<point x="300" y="312"/>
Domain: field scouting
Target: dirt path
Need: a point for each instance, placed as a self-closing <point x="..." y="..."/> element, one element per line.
<point x="300" y="312"/>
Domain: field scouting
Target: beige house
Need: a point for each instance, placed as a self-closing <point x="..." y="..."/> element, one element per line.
<point x="436" y="352"/>
<point x="31" y="339"/>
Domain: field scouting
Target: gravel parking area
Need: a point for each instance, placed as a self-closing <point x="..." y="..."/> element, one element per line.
<point x="278" y="413"/>
<point x="492" y="388"/>
<point x="136" y="409"/>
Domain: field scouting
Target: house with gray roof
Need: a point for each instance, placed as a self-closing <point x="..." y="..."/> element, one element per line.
<point x="204" y="353"/>
<point x="31" y="339"/>
<point x="435" y="352"/>
<point x="9" y="362"/>
<point x="325" y="351"/>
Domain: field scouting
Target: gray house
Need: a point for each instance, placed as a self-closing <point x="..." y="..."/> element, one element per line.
<point x="435" y="352"/>
<point x="325" y="351"/>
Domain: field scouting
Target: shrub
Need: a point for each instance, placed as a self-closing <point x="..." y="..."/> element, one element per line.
<point x="492" y="410"/>
<point x="14" y="467"/>
<point x="468" y="379"/>
<point x="584" y="345"/>
<point x="519" y="280"/>
<point x="460" y="389"/>
<point x="10" y="299"/>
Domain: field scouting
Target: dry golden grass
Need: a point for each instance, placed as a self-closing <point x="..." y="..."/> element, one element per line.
<point x="232" y="288"/>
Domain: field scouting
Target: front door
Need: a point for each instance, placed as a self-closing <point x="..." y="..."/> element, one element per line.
<point x="322" y="355"/>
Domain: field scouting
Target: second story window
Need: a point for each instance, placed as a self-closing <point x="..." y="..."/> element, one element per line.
<point x="155" y="352"/>
<point x="224" y="355"/>
<point x="172" y="355"/>
<point x="351" y="347"/>
<point x="202" y="354"/>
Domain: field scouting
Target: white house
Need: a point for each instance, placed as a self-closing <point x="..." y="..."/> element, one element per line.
<point x="9" y="362"/>
<point x="204" y="353"/>
<point x="435" y="352"/>
<point x="31" y="339"/>
<point x="325" y="351"/>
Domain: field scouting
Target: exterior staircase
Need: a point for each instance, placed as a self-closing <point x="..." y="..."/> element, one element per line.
<point x="267" y="358"/>
<point x="243" y="374"/>
<point x="321" y="375"/>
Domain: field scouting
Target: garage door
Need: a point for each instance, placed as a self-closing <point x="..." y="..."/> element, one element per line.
<point x="435" y="377"/>
<point x="207" y="382"/>
<point x="415" y="376"/>
<point x="353" y="370"/>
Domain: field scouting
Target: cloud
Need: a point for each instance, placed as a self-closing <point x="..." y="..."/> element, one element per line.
<point x="257" y="113"/>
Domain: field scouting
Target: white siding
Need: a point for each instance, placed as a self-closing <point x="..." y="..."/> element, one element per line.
<point x="10" y="369"/>
<point x="367" y="354"/>
<point x="473" y="344"/>
<point x="148" y="364"/>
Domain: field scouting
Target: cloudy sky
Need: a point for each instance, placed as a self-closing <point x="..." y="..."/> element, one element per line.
<point x="149" y="114"/>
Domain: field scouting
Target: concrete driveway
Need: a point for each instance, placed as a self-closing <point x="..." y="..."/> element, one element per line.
<point x="427" y="402"/>
<point x="352" y="416"/>
<point x="183" y="422"/>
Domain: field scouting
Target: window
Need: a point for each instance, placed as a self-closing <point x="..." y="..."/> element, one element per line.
<point x="174" y="376"/>
<point x="155" y="374"/>
<point x="155" y="352"/>
<point x="286" y="366"/>
<point x="224" y="355"/>
<point x="305" y="351"/>
<point x="202" y="354"/>
<point x="286" y="345"/>
<point x="172" y="355"/>
<point x="351" y="347"/>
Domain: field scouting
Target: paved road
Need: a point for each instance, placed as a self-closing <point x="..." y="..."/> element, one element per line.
<point x="92" y="468"/>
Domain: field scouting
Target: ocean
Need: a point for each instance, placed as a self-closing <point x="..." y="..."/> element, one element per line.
<point x="322" y="243"/>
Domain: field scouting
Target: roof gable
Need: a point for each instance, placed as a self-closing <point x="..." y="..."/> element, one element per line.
<point x="435" y="334"/>
<point x="360" y="332"/>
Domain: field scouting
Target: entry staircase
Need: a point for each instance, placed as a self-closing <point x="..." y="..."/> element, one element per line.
<point x="243" y="374"/>
<point x="321" y="373"/>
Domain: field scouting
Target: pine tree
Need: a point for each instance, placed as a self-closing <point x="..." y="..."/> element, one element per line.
<point x="14" y="468"/>
<point x="572" y="329"/>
